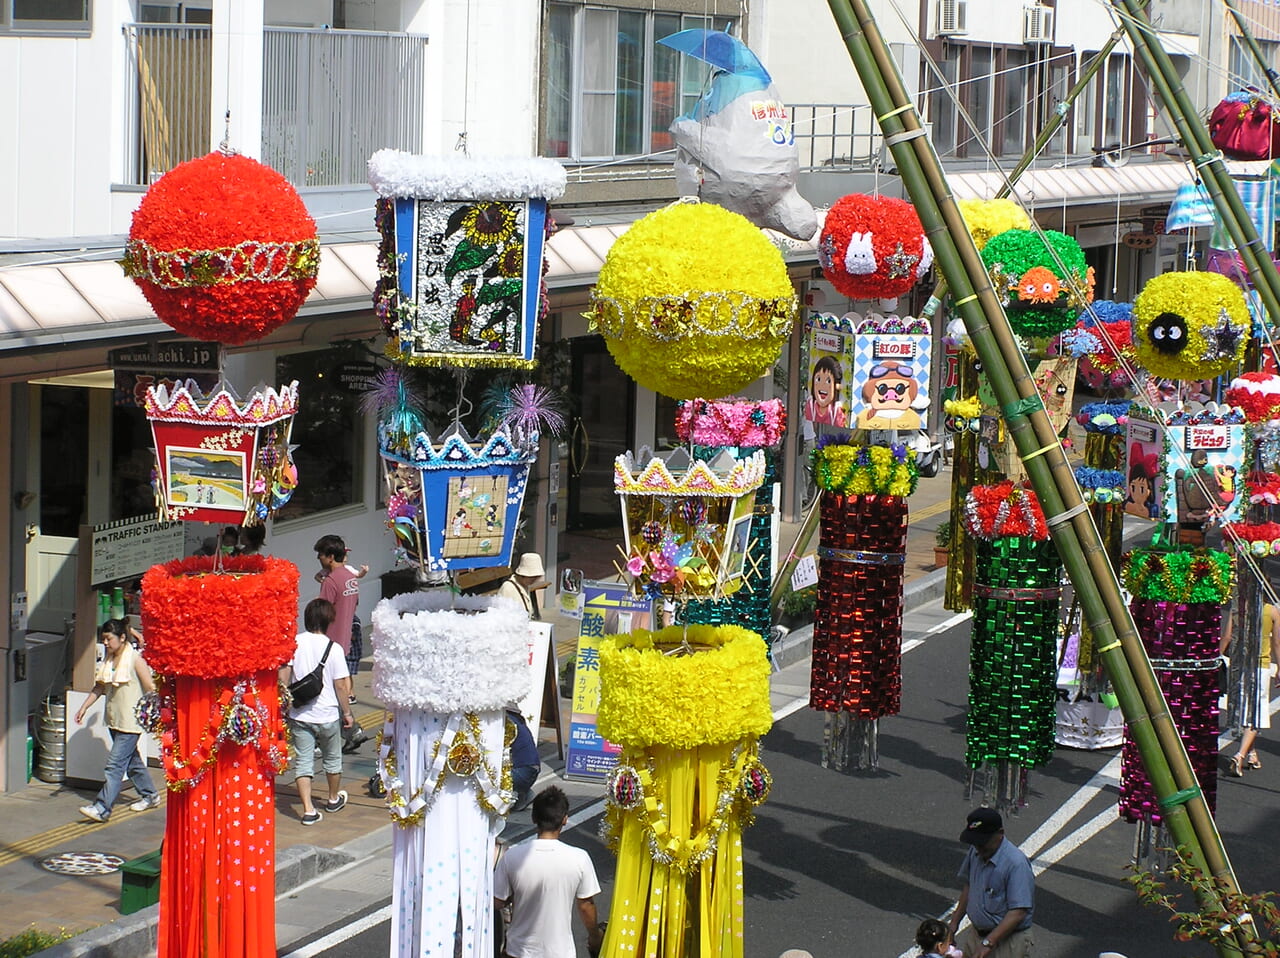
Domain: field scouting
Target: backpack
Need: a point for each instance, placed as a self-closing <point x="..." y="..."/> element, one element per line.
<point x="307" y="689"/>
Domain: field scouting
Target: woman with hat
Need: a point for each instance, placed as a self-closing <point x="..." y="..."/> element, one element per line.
<point x="527" y="579"/>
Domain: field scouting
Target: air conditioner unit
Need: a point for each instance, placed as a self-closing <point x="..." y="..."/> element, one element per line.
<point x="1037" y="24"/>
<point x="950" y="18"/>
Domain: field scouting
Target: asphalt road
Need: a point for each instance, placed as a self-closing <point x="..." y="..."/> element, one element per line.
<point x="846" y="865"/>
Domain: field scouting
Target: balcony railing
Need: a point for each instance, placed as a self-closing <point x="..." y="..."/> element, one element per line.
<point x="835" y="137"/>
<point x="330" y="98"/>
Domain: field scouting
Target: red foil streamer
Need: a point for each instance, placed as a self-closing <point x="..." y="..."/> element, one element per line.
<point x="857" y="629"/>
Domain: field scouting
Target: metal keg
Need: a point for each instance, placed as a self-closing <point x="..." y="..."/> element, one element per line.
<point x="51" y="742"/>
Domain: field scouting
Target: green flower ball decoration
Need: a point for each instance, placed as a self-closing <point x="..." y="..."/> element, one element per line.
<point x="693" y="301"/>
<point x="1190" y="325"/>
<point x="1038" y="298"/>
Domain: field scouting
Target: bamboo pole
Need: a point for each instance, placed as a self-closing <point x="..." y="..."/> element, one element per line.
<point x="1206" y="157"/>
<point x="1255" y="50"/>
<point x="1074" y="532"/>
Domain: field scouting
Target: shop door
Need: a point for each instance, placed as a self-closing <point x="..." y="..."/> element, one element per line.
<point x="62" y="466"/>
<point x="603" y="399"/>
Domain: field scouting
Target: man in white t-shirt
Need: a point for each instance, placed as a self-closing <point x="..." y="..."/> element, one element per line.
<point x="319" y="723"/>
<point x="542" y="880"/>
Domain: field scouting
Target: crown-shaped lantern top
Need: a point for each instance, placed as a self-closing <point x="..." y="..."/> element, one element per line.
<point x="184" y="402"/>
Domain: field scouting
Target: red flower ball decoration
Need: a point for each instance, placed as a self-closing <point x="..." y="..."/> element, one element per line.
<point x="211" y="624"/>
<point x="873" y="247"/>
<point x="1256" y="394"/>
<point x="223" y="249"/>
<point x="1005" y="509"/>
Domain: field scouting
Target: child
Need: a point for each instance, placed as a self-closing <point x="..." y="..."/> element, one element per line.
<point x="823" y="404"/>
<point x="932" y="937"/>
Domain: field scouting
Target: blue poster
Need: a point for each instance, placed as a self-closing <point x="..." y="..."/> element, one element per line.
<point x="608" y="608"/>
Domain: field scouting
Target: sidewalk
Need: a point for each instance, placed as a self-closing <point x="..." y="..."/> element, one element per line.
<point x="43" y="820"/>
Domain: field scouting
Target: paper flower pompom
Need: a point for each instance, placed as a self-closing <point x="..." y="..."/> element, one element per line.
<point x="861" y="470"/>
<point x="693" y="301"/>
<point x="1190" y="325"/>
<point x="1005" y="509"/>
<point x="987" y="219"/>
<point x="223" y="249"/>
<point x="873" y="247"/>
<point x="1257" y="395"/>
<point x="1036" y="292"/>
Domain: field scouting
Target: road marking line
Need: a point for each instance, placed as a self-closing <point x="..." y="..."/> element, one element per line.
<point x="949" y="623"/>
<point x="338" y="936"/>
<point x="910" y="644"/>
<point x="928" y="511"/>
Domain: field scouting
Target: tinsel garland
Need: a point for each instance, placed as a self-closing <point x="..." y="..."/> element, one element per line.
<point x="856" y="661"/>
<point x="856" y="470"/>
<point x="220" y="617"/>
<point x="1004" y="509"/>
<point x="967" y="471"/>
<point x="1030" y="271"/>
<point x="1181" y="640"/>
<point x="1012" y="664"/>
<point x="1189" y="577"/>
<point x="687" y="783"/>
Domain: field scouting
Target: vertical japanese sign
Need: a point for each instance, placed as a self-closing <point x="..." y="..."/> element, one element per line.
<point x="608" y="608"/>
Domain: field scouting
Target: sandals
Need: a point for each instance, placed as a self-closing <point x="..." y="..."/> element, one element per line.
<point x="1253" y="760"/>
<point x="1235" y="767"/>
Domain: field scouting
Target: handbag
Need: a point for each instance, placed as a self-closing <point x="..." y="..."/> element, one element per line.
<point x="307" y="689"/>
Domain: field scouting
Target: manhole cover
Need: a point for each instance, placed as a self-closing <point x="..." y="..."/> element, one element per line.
<point x="83" y="863"/>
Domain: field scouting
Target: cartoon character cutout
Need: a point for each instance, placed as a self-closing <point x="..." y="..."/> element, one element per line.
<point x="888" y="396"/>
<point x="824" y="405"/>
<point x="1141" y="497"/>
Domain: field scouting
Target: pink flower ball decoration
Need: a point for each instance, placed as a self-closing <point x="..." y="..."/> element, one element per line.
<point x="873" y="247"/>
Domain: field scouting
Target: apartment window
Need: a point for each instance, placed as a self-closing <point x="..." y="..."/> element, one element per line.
<point x="46" y="16"/>
<point x="1245" y="70"/>
<point x="1015" y="82"/>
<point x="326" y="431"/>
<point x="1104" y="107"/>
<point x="1059" y="73"/>
<point x="611" y="90"/>
<point x="978" y="97"/>
<point x="942" y="110"/>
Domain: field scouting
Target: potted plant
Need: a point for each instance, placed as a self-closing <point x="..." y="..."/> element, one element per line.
<point x="941" y="543"/>
<point x="797" y="608"/>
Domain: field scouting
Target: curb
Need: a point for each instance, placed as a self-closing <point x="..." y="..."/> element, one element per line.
<point x="134" y="936"/>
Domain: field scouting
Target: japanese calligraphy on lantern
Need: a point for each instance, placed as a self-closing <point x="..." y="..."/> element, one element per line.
<point x="1203" y="473"/>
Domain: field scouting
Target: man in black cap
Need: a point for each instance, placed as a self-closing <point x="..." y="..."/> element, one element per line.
<point x="999" y="892"/>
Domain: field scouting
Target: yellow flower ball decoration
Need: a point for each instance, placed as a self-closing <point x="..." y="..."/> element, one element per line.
<point x="693" y="301"/>
<point x="987" y="219"/>
<point x="1190" y="325"/>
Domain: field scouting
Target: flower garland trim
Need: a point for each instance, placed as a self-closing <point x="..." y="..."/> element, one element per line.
<point x="184" y="403"/>
<point x="670" y="317"/>
<point x="1005" y="509"/>
<point x="1192" y="576"/>
<point x="1257" y="395"/>
<point x="1108" y="418"/>
<point x="1102" y="486"/>
<point x="723" y="476"/>
<point x="860" y="470"/>
<point x="1263" y="487"/>
<point x="257" y="261"/>
<point x="649" y="697"/>
<point x="743" y="423"/>
<point x="1259" y="539"/>
<point x="209" y="622"/>
<point x="455" y="451"/>
<point x="445" y="652"/>
<point x="397" y="173"/>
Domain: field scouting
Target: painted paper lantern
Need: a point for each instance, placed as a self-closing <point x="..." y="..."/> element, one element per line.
<point x="221" y="459"/>
<point x="692" y="301"/>
<point x="1043" y="283"/>
<point x="461" y="256"/>
<point x="455" y="504"/>
<point x="223" y="249"/>
<point x="987" y="219"/>
<point x="702" y="551"/>
<point x="873" y="247"/>
<point x="1103" y="342"/>
<point x="891" y="363"/>
<point x="1190" y="325"/>
<point x="1204" y="468"/>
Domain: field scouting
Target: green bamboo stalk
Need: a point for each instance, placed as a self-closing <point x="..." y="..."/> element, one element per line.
<point x="1074" y="532"/>
<point x="801" y="543"/>
<point x="1254" y="49"/>
<point x="1206" y="157"/>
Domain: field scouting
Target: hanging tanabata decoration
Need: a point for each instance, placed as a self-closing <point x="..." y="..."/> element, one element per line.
<point x="1190" y="325"/>
<point x="687" y="522"/>
<point x="741" y="428"/>
<point x="446" y="665"/>
<point x="891" y="363"/>
<point x="873" y="247"/>
<point x="219" y="459"/>
<point x="1177" y="608"/>
<point x="1012" y="667"/>
<point x="223" y="249"/>
<point x="686" y="784"/>
<point x="987" y="219"/>
<point x="1103" y="342"/>
<point x="218" y="630"/>
<point x="830" y="341"/>
<point x="461" y="257"/>
<point x="1042" y="279"/>
<point x="856" y="674"/>
<point x="692" y="301"/>
<point x="1203" y="467"/>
